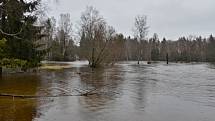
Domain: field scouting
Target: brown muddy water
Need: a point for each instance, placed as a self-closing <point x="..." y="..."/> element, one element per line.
<point x="124" y="92"/>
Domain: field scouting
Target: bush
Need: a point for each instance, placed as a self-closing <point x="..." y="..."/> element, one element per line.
<point x="12" y="63"/>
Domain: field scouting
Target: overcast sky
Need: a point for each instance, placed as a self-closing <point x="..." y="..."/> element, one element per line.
<point x="168" y="18"/>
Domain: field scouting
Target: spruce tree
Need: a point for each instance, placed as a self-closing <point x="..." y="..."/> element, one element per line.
<point x="18" y="18"/>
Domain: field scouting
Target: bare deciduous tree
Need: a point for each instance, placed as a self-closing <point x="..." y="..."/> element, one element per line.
<point x="95" y="37"/>
<point x="140" y="32"/>
<point x="64" y="33"/>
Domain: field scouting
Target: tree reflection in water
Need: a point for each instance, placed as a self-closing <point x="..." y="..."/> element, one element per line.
<point x="105" y="81"/>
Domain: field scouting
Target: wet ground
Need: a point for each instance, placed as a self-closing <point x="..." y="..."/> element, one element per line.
<point x="124" y="92"/>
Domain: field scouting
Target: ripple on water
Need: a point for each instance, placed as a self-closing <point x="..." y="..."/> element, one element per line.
<point x="125" y="92"/>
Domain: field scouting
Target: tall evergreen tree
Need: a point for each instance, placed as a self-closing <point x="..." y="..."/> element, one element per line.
<point x="18" y="18"/>
<point x="210" y="55"/>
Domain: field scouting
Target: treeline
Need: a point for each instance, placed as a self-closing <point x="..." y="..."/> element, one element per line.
<point x="26" y="39"/>
<point x="100" y="43"/>
<point x="185" y="49"/>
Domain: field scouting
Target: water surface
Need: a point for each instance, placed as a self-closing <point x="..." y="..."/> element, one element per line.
<point x="124" y="92"/>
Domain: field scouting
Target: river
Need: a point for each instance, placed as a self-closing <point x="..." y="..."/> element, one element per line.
<point x="123" y="92"/>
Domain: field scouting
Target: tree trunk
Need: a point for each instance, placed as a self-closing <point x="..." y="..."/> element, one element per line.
<point x="93" y="63"/>
<point x="139" y="54"/>
<point x="1" y="71"/>
<point x="167" y="58"/>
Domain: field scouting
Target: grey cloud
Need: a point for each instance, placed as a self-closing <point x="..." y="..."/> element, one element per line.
<point x="169" y="18"/>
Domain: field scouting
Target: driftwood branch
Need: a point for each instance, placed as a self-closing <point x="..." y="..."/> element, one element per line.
<point x="60" y="89"/>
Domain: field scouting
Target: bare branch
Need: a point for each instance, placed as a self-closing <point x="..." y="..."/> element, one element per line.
<point x="13" y="35"/>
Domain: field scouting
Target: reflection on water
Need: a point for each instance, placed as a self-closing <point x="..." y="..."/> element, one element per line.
<point x="20" y="110"/>
<point x="124" y="92"/>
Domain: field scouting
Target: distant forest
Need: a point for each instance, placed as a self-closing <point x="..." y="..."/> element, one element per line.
<point x="27" y="37"/>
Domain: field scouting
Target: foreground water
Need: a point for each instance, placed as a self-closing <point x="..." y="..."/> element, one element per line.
<point x="124" y="92"/>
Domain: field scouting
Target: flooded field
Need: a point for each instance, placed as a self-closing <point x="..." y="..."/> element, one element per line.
<point x="124" y="92"/>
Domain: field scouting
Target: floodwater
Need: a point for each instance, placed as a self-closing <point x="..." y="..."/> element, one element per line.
<point x="124" y="92"/>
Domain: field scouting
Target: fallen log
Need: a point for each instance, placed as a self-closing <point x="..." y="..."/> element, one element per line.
<point x="84" y="94"/>
<point x="42" y="96"/>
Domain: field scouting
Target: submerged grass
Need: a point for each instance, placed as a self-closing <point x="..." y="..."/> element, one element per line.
<point x="55" y="67"/>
